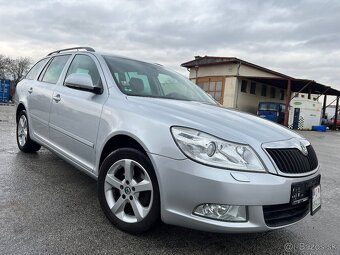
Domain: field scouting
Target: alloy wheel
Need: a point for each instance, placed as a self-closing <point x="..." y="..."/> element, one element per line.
<point x="22" y="130"/>
<point x="128" y="190"/>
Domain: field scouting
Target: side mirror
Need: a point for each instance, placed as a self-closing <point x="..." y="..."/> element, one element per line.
<point x="82" y="81"/>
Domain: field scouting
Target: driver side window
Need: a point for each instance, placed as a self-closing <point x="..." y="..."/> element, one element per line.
<point x="85" y="64"/>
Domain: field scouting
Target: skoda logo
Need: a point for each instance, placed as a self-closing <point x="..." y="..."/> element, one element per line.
<point x="304" y="149"/>
<point x="127" y="190"/>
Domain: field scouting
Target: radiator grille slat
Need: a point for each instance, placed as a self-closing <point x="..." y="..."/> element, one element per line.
<point x="293" y="161"/>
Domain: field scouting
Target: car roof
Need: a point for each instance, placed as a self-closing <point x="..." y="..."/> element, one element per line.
<point x="90" y="50"/>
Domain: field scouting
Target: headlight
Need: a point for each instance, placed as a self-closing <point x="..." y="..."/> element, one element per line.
<point x="210" y="150"/>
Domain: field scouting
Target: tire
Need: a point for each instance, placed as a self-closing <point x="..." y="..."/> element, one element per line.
<point x="24" y="141"/>
<point x="128" y="191"/>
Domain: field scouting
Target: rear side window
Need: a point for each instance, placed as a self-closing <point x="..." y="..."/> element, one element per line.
<point x="35" y="70"/>
<point x="85" y="64"/>
<point x="55" y="68"/>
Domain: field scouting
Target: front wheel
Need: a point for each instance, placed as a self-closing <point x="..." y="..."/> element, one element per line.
<point x="25" y="144"/>
<point x="128" y="191"/>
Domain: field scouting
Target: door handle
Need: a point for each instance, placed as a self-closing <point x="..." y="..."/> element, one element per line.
<point x="56" y="98"/>
<point x="30" y="90"/>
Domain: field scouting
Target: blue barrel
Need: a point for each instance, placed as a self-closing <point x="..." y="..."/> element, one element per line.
<point x="4" y="91"/>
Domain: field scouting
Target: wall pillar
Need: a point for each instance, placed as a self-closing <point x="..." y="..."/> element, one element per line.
<point x="336" y="112"/>
<point x="324" y="106"/>
<point x="288" y="96"/>
<point x="309" y="92"/>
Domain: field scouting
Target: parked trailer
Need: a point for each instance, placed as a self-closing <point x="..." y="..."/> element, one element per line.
<point x="4" y="91"/>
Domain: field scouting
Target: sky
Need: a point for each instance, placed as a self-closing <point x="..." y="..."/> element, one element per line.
<point x="297" y="38"/>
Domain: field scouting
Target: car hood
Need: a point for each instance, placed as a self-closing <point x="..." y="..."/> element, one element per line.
<point x="229" y="124"/>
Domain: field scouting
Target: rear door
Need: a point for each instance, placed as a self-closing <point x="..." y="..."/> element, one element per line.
<point x="40" y="95"/>
<point x="75" y="115"/>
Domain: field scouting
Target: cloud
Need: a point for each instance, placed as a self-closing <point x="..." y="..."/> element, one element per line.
<point x="298" y="38"/>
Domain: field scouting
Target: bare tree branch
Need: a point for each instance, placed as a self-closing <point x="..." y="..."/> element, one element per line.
<point x="17" y="68"/>
<point x="4" y="62"/>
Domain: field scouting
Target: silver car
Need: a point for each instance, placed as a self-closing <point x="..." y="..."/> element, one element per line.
<point x="162" y="149"/>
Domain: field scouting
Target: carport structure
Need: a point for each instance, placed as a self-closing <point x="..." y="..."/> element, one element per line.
<point x="294" y="85"/>
<point x="239" y="84"/>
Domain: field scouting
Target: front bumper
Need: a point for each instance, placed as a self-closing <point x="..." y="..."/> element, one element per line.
<point x="184" y="184"/>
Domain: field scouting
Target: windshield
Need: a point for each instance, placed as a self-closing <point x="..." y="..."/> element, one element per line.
<point x="268" y="107"/>
<point x="137" y="78"/>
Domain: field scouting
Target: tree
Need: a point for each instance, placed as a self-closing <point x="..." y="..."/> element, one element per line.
<point x="4" y="61"/>
<point x="17" y="68"/>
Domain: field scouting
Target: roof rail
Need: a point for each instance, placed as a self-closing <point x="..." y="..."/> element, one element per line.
<point x="74" y="48"/>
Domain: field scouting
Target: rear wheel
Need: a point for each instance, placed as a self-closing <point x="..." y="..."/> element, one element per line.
<point x="24" y="141"/>
<point x="128" y="191"/>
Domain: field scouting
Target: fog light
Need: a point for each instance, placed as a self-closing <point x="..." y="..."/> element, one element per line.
<point x="235" y="213"/>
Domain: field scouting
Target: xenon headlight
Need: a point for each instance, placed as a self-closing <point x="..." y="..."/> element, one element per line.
<point x="210" y="150"/>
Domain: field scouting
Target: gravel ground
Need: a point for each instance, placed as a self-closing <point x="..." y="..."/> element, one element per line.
<point x="49" y="207"/>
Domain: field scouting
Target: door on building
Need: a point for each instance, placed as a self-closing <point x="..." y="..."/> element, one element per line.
<point x="296" y="118"/>
<point x="214" y="86"/>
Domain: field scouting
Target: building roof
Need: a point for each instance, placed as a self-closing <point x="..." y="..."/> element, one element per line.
<point x="298" y="85"/>
<point x="210" y="60"/>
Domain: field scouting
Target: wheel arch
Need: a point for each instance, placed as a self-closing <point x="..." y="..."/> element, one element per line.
<point x="120" y="141"/>
<point x="20" y="107"/>
<point x="127" y="140"/>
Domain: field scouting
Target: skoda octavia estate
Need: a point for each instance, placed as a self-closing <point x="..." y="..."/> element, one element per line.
<point x="162" y="149"/>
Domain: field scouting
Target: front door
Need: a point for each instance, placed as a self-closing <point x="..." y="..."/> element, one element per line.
<point x="75" y="115"/>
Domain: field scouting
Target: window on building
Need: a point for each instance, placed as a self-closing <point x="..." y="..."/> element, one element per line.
<point x="213" y="87"/>
<point x="282" y="94"/>
<point x="264" y="91"/>
<point x="244" y="86"/>
<point x="253" y="88"/>
<point x="272" y="92"/>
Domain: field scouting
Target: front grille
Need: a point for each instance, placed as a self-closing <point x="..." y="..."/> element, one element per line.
<point x="292" y="161"/>
<point x="284" y="214"/>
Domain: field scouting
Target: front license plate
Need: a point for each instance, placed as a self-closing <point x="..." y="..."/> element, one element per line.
<point x="301" y="191"/>
<point x="316" y="199"/>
